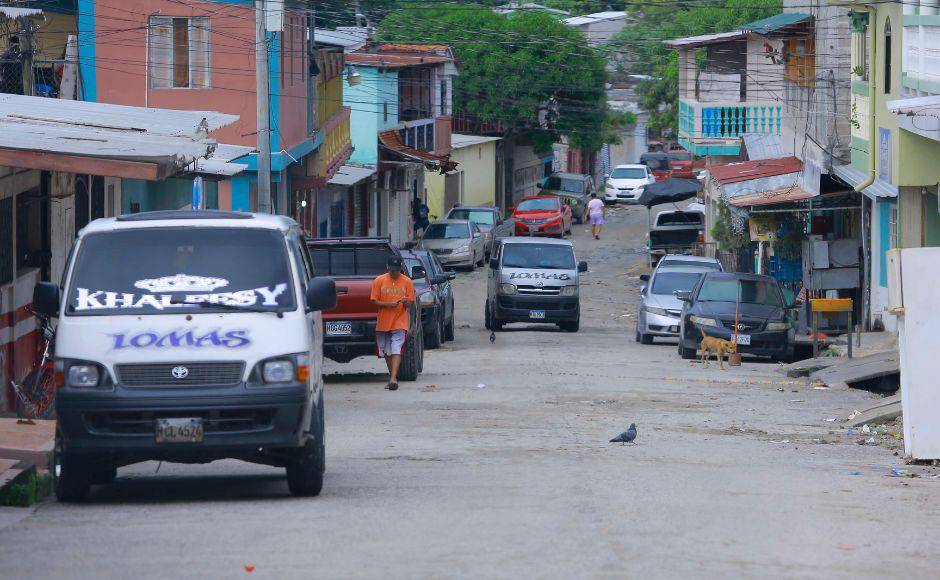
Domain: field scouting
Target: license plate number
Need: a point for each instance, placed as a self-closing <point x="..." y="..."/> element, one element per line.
<point x="338" y="328"/>
<point x="536" y="314"/>
<point x="744" y="339"/>
<point x="533" y="229"/>
<point x="179" y="430"/>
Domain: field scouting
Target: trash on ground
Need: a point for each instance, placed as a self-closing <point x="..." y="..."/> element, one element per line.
<point x="866" y="428"/>
<point x="820" y="388"/>
<point x="481" y="386"/>
<point x="797" y="400"/>
<point x="830" y="419"/>
<point x="856" y="472"/>
<point x="854" y="414"/>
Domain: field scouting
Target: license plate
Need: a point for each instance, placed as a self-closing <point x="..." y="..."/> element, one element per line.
<point x="744" y="339"/>
<point x="536" y="314"/>
<point x="338" y="328"/>
<point x="179" y="430"/>
<point x="533" y="229"/>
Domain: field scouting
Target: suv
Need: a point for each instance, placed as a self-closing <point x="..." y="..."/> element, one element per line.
<point x="349" y="328"/>
<point x="487" y="218"/>
<point x="533" y="280"/>
<point x="188" y="336"/>
<point x="574" y="188"/>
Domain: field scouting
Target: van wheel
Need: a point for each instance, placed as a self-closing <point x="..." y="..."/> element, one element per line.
<point x="449" y="329"/>
<point x="487" y="318"/>
<point x="305" y="471"/>
<point x="72" y="476"/>
<point x="410" y="362"/>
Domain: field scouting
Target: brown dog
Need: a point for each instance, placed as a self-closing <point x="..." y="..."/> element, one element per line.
<point x="719" y="346"/>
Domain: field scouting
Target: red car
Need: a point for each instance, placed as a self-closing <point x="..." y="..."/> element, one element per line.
<point x="542" y="215"/>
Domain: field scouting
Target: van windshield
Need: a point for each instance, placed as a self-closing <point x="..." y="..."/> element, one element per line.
<point x="538" y="257"/>
<point x="173" y="270"/>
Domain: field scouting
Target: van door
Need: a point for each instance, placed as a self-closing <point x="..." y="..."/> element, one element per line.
<point x="304" y="265"/>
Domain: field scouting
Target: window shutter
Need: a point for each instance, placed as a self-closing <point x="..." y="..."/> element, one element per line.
<point x="200" y="67"/>
<point x="161" y="52"/>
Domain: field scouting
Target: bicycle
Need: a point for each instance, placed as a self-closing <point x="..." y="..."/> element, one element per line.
<point x="35" y="397"/>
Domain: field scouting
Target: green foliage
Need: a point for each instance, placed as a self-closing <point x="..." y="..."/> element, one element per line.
<point x="728" y="239"/>
<point x="514" y="70"/>
<point x="24" y="494"/>
<point x="659" y="20"/>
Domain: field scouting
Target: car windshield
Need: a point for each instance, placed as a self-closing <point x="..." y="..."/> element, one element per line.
<point x="410" y="265"/>
<point x="745" y="291"/>
<point x="565" y="184"/>
<point x="447" y="232"/>
<point x="363" y="261"/>
<point x="699" y="265"/>
<point x="668" y="282"/>
<point x="538" y="204"/>
<point x="628" y="173"/>
<point x="169" y="270"/>
<point x="538" y="256"/>
<point x="478" y="216"/>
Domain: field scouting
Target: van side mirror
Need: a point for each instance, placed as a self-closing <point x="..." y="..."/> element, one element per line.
<point x="645" y="277"/>
<point x="582" y="266"/>
<point x="684" y="295"/>
<point x="494" y="263"/>
<point x="321" y="294"/>
<point x="46" y="299"/>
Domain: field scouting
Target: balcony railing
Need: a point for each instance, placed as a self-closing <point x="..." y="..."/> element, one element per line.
<point x="726" y="121"/>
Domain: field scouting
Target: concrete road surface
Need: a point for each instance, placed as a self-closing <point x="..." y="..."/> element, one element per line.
<point x="495" y="463"/>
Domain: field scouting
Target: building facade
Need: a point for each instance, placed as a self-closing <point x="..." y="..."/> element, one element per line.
<point x="474" y="180"/>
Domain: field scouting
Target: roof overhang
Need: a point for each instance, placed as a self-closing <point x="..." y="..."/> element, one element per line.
<point x="704" y="39"/>
<point x="391" y="141"/>
<point x="853" y="177"/>
<point x="918" y="115"/>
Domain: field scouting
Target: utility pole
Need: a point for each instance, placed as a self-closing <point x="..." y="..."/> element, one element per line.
<point x="263" y="113"/>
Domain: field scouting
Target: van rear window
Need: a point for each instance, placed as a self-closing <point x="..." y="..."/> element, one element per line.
<point x="364" y="261"/>
<point x="680" y="218"/>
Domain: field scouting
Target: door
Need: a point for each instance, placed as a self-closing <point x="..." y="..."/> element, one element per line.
<point x="451" y="191"/>
<point x="477" y="241"/>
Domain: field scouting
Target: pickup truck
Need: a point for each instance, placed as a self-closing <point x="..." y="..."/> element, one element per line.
<point x="675" y="232"/>
<point x="349" y="328"/>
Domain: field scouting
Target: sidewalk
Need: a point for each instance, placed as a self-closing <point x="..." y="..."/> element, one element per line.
<point x="24" y="447"/>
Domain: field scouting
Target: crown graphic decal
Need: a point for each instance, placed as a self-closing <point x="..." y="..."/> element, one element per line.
<point x="181" y="283"/>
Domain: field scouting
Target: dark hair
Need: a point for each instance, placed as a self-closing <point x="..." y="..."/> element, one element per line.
<point x="593" y="194"/>
<point x="394" y="263"/>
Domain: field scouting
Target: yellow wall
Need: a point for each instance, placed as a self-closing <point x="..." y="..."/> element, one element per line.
<point x="478" y="165"/>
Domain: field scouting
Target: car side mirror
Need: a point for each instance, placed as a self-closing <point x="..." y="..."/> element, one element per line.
<point x="321" y="294"/>
<point x="46" y="299"/>
<point x="582" y="266"/>
<point x="645" y="277"/>
<point x="418" y="272"/>
<point x="451" y="275"/>
<point x="494" y="263"/>
<point x="684" y="295"/>
<point x="477" y="235"/>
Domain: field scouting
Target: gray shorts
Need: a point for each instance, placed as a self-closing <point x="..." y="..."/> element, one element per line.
<point x="390" y="342"/>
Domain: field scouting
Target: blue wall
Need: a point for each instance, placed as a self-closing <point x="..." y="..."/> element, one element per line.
<point x="367" y="103"/>
<point x="884" y="237"/>
<point x="86" y="49"/>
<point x="166" y="194"/>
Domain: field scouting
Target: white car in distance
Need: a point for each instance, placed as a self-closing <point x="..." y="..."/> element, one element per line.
<point x="626" y="183"/>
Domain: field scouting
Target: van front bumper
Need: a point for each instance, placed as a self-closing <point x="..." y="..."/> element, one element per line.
<point x="236" y="420"/>
<point x="517" y="308"/>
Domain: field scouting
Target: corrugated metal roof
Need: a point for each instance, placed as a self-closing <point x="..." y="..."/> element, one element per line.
<point x="775" y="22"/>
<point x="351" y="175"/>
<point x="348" y="39"/>
<point x="749" y="170"/>
<point x="219" y="163"/>
<point x="394" y="60"/>
<point x="14" y="13"/>
<point x="458" y="140"/>
<point x="596" y="17"/>
<point x="783" y="195"/>
<point x="853" y="177"/>
<point x="762" y="146"/>
<point x="703" y="39"/>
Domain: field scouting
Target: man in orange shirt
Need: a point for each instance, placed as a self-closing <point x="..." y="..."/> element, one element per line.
<point x="392" y="293"/>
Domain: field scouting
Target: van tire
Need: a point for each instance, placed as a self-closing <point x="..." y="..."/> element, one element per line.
<point x="487" y="318"/>
<point x="305" y="470"/>
<point x="72" y="476"/>
<point x="410" y="362"/>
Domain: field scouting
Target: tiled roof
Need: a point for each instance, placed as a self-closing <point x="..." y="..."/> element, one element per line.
<point x="747" y="170"/>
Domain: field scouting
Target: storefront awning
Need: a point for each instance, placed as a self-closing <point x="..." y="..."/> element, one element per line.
<point x="919" y="115"/>
<point x="391" y="140"/>
<point x="351" y="175"/>
<point x="853" y="177"/>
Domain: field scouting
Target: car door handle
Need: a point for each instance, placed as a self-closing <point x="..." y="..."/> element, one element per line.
<point x="342" y="290"/>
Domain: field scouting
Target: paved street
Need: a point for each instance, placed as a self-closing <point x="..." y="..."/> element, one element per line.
<point x="496" y="464"/>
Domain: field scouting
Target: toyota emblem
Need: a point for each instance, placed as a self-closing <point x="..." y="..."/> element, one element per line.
<point x="539" y="284"/>
<point x="180" y="372"/>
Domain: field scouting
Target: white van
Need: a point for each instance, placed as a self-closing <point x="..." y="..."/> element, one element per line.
<point x="188" y="336"/>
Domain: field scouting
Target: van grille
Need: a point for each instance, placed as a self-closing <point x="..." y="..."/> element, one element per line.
<point x="538" y="290"/>
<point x="204" y="374"/>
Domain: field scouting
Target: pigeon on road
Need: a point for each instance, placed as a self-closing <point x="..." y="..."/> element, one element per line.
<point x="492" y="337"/>
<point x="627" y="436"/>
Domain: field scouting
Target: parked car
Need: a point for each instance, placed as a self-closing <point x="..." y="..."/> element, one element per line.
<point x="169" y="349"/>
<point x="753" y="305"/>
<point x="349" y="328"/>
<point x="682" y="261"/>
<point x="533" y="280"/>
<point x="675" y="232"/>
<point x="456" y="243"/>
<point x="542" y="215"/>
<point x="487" y="218"/>
<point x="627" y="182"/>
<point x="659" y="309"/>
<point x="574" y="189"/>
<point x="434" y="294"/>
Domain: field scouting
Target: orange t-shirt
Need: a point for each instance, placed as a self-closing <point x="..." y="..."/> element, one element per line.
<point x="385" y="289"/>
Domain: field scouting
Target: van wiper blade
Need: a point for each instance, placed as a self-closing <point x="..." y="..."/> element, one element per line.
<point x="220" y="306"/>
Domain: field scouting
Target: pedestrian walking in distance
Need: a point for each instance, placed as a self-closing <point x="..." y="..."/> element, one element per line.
<point x="595" y="209"/>
<point x="392" y="293"/>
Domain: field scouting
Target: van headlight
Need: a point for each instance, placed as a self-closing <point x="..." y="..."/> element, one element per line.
<point x="507" y="288"/>
<point x="83" y="375"/>
<point x="278" y="371"/>
<point x="701" y="321"/>
<point x="427" y="298"/>
<point x="569" y="290"/>
<point x="778" y="326"/>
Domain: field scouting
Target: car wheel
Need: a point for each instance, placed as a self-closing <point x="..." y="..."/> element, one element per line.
<point x="410" y="365"/>
<point x="449" y="329"/>
<point x="306" y="469"/>
<point x="434" y="338"/>
<point x="646" y="339"/>
<point x="482" y="260"/>
<point x="72" y="476"/>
